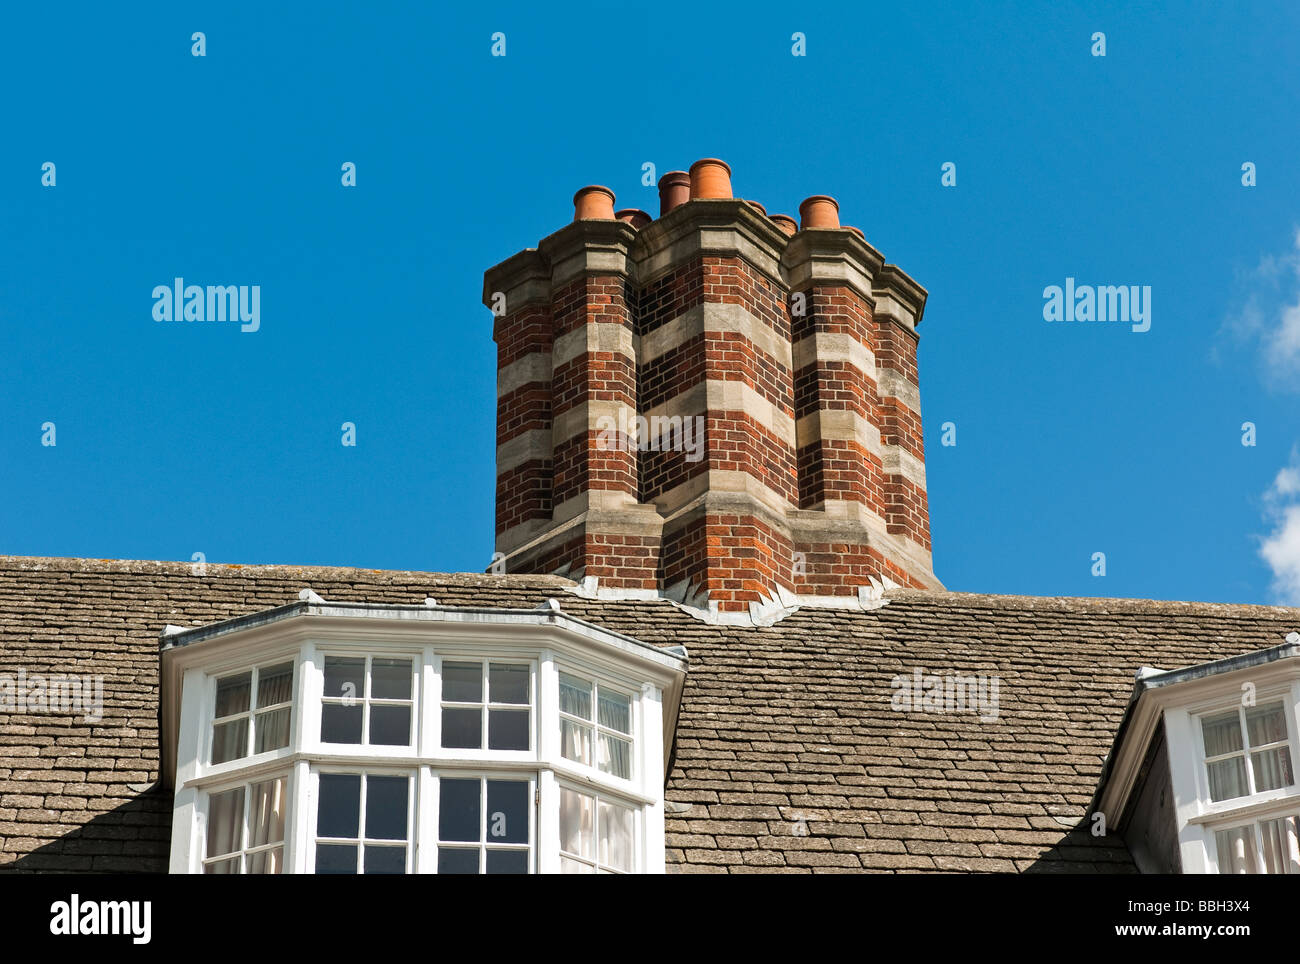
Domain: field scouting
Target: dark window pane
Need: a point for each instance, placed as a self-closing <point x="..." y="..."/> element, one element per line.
<point x="462" y="682"/>
<point x="507" y="816"/>
<point x="390" y="726"/>
<point x="386" y="799"/>
<point x="336" y="858"/>
<point x="230" y="741"/>
<point x="345" y="677"/>
<point x="507" y="729"/>
<point x="508" y="683"/>
<point x="462" y="728"/>
<point x="272" y="730"/>
<point x="230" y="866"/>
<point x="507" y="861"/>
<point x="275" y="684"/>
<point x="455" y="861"/>
<point x="458" y="810"/>
<point x="390" y="679"/>
<point x="233" y="693"/>
<point x="338" y="812"/>
<point x="339" y="723"/>
<point x="385" y="860"/>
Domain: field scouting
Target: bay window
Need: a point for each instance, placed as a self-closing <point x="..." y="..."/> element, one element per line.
<point x="335" y="738"/>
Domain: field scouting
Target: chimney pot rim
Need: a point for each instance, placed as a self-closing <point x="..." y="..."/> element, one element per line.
<point x="592" y="189"/>
<point x="711" y="160"/>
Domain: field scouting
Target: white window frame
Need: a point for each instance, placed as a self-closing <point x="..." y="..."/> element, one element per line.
<point x="1246" y="750"/>
<point x="366" y="701"/>
<point x="244" y="851"/>
<point x="362" y="841"/>
<point x="1257" y="836"/>
<point x="638" y="817"/>
<point x="529" y="779"/>
<point x="444" y="655"/>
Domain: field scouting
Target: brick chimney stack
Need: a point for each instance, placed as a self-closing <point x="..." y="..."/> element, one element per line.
<point x="712" y="405"/>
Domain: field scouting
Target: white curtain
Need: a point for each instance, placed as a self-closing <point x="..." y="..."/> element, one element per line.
<point x="1281" y="845"/>
<point x="1236" y="850"/>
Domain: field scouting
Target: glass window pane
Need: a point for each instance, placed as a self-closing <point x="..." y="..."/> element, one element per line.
<point x="338" y="812"/>
<point x="1281" y="845"/>
<point x="390" y="725"/>
<point x="570" y="866"/>
<point x="462" y="729"/>
<point x="1228" y="778"/>
<point x="339" y="723"/>
<point x="615" y="836"/>
<point x="616" y="711"/>
<point x="1265" y="724"/>
<point x="508" y="683"/>
<point x="336" y="858"/>
<point x="508" y="729"/>
<point x="275" y="684"/>
<point x="385" y="860"/>
<point x="1236" y="851"/>
<point x="577" y="823"/>
<point x="575" y="696"/>
<point x="272" y="730"/>
<point x="390" y="679"/>
<point x="616" y="756"/>
<point x="230" y="866"/>
<point x="457" y="860"/>
<point x="575" y="741"/>
<point x="507" y="816"/>
<point x="225" y="822"/>
<point x="233" y="693"/>
<point x="267" y="861"/>
<point x="230" y="741"/>
<point x="1272" y="768"/>
<point x="386" y="800"/>
<point x="462" y="682"/>
<point x="1222" y="733"/>
<point x="507" y="861"/>
<point x="458" y="810"/>
<point x="345" y="677"/>
<point x="266" y="812"/>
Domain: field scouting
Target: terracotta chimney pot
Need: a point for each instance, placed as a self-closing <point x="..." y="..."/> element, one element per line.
<point x="820" y="211"/>
<point x="674" y="191"/>
<point x="593" y="202"/>
<point x="761" y="210"/>
<point x="786" y="223"/>
<point x="857" y="231"/>
<point x="634" y="216"/>
<point x="710" y="178"/>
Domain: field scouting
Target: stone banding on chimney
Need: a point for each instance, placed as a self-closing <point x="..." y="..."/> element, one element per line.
<point x="809" y="479"/>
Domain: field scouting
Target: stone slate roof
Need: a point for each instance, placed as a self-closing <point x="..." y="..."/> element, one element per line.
<point x="788" y="757"/>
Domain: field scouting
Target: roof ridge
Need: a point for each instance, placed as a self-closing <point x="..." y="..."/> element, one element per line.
<point x="79" y="564"/>
<point x="1086" y="603"/>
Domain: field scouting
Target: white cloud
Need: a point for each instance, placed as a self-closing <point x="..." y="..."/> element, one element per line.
<point x="1281" y="548"/>
<point x="1270" y="315"/>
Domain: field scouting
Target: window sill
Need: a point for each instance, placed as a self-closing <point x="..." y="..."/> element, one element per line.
<point x="1285" y="799"/>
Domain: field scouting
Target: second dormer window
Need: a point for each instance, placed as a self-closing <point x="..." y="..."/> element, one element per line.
<point x="367" y="700"/>
<point x="1247" y="751"/>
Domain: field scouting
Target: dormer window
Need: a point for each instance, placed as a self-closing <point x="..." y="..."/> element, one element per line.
<point x="335" y="738"/>
<point x="1202" y="776"/>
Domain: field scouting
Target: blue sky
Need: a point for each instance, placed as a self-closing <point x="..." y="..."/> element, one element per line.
<point x="1072" y="439"/>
